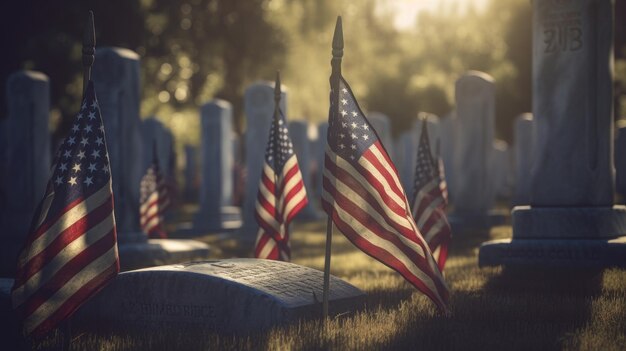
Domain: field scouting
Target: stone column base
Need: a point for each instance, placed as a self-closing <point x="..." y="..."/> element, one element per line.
<point x="157" y="252"/>
<point x="554" y="253"/>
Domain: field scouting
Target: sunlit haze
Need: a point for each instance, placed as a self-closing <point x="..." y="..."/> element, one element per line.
<point x="406" y="11"/>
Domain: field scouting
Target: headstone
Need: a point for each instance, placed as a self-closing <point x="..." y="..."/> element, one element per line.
<point x="571" y="220"/>
<point x="382" y="126"/>
<point x="320" y="154"/>
<point x="410" y="141"/>
<point x="225" y="296"/>
<point x="475" y="111"/>
<point x="154" y="131"/>
<point x="620" y="157"/>
<point x="191" y="173"/>
<point x="298" y="131"/>
<point x="259" y="109"/>
<point x="502" y="166"/>
<point x="25" y="168"/>
<point x="524" y="141"/>
<point x="116" y="79"/>
<point x="216" y="212"/>
<point x="447" y="135"/>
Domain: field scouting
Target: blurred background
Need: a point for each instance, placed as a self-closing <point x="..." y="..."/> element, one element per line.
<point x="401" y="56"/>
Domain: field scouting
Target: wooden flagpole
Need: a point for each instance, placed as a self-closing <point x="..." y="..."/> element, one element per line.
<point x="89" y="50"/>
<point x="335" y="77"/>
<point x="277" y="94"/>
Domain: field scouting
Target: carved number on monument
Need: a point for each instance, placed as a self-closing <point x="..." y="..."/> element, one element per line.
<point x="563" y="31"/>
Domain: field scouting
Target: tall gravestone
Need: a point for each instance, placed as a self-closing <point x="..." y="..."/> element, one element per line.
<point x="382" y="126"/>
<point x="216" y="211"/>
<point x="26" y="161"/>
<point x="524" y="141"/>
<point x="298" y="131"/>
<point x="501" y="169"/>
<point x="191" y="173"/>
<point x="259" y="109"/>
<point x="571" y="220"/>
<point x="475" y="111"/>
<point x="620" y="157"/>
<point x="154" y="131"/>
<point x="320" y="154"/>
<point x="447" y="135"/>
<point x="116" y="79"/>
<point x="406" y="151"/>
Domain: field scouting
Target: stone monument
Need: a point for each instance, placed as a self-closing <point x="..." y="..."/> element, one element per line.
<point x="475" y="111"/>
<point x="26" y="161"/>
<point x="154" y="131"/>
<point x="502" y="169"/>
<point x="216" y="212"/>
<point x="571" y="220"/>
<point x="524" y="140"/>
<point x="298" y="131"/>
<point x="320" y="154"/>
<point x="382" y="126"/>
<point x="620" y="157"/>
<point x="116" y="79"/>
<point x="447" y="135"/>
<point x="225" y="296"/>
<point x="191" y="173"/>
<point x="259" y="109"/>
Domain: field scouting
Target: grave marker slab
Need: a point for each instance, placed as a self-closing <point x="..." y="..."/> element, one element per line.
<point x="259" y="109"/>
<point x="25" y="168"/>
<point x="232" y="295"/>
<point x="217" y="212"/>
<point x="298" y="131"/>
<point x="524" y="141"/>
<point x="571" y="212"/>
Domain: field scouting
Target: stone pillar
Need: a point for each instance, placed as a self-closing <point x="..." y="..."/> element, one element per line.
<point x="475" y="109"/>
<point x="320" y="152"/>
<point x="153" y="131"/>
<point x="501" y="169"/>
<point x="259" y="109"/>
<point x="116" y="79"/>
<point x="25" y="168"/>
<point x="216" y="212"/>
<point x="524" y="141"/>
<point x="191" y="173"/>
<point x="571" y="220"/>
<point x="382" y="125"/>
<point x="447" y="135"/>
<point x="298" y="132"/>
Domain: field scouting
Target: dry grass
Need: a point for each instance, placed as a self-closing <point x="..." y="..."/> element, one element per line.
<point x="491" y="309"/>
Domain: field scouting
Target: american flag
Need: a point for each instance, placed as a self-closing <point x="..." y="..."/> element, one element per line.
<point x="154" y="200"/>
<point x="71" y="250"/>
<point x="430" y="197"/>
<point x="363" y="196"/>
<point x="281" y="187"/>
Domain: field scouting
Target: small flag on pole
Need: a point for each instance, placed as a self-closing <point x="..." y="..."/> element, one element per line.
<point x="281" y="187"/>
<point x="71" y="250"/>
<point x="154" y="200"/>
<point x="430" y="197"/>
<point x="363" y="195"/>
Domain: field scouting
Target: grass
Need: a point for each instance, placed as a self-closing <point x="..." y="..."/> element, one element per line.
<point x="491" y="309"/>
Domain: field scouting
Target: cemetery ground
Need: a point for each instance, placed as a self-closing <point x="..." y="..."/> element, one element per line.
<point x="489" y="308"/>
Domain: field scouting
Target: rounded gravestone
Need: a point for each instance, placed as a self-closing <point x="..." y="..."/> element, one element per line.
<point x="232" y="295"/>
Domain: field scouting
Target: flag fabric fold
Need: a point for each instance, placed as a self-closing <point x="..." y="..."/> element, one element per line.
<point x="154" y="201"/>
<point x="71" y="250"/>
<point x="363" y="196"/>
<point x="281" y="194"/>
<point x="430" y="197"/>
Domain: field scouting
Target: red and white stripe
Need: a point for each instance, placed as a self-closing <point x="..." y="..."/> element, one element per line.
<point x="430" y="217"/>
<point x="369" y="206"/>
<point x="151" y="211"/>
<point x="273" y="236"/>
<point x="66" y="260"/>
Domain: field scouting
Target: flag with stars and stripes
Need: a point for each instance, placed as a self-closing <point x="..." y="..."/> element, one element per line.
<point x="71" y="250"/>
<point x="363" y="196"/>
<point x="154" y="200"/>
<point x="430" y="199"/>
<point x="281" y="194"/>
